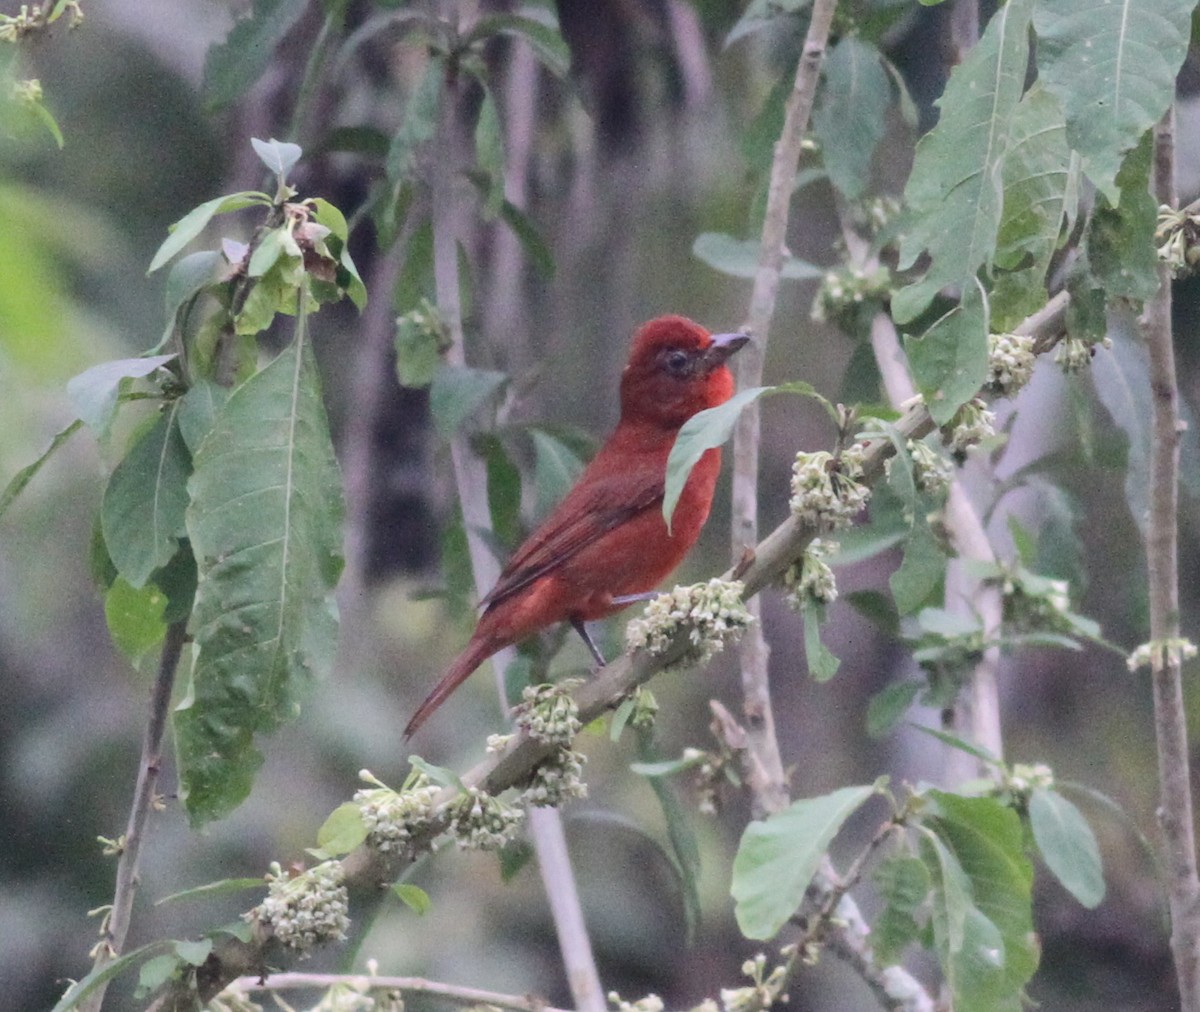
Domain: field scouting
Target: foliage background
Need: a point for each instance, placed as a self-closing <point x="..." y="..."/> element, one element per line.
<point x="620" y="190"/>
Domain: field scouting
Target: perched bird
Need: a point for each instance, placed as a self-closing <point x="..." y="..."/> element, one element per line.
<point x="606" y="542"/>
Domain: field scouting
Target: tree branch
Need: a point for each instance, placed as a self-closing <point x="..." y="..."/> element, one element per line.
<point x="1162" y="553"/>
<point x="118" y="919"/>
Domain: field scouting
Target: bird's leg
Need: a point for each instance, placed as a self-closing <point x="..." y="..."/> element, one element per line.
<point x="579" y="627"/>
<point x="645" y="595"/>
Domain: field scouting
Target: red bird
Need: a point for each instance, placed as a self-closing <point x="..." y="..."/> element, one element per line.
<point x="607" y="542"/>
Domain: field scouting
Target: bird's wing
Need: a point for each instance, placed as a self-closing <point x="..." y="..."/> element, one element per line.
<point x="597" y="505"/>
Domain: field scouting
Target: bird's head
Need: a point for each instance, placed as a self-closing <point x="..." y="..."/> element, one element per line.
<point x="676" y="368"/>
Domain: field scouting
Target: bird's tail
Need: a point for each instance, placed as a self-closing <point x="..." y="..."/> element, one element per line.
<point x="478" y="650"/>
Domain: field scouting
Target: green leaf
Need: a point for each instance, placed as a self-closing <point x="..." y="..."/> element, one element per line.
<point x="739" y="257"/>
<point x="419" y="123"/>
<point x="135" y="617"/>
<point x="23" y="477"/>
<point x="1122" y="380"/>
<point x="921" y="570"/>
<point x="232" y="66"/>
<point x="889" y="705"/>
<point x="223" y="887"/>
<point x="544" y="39"/>
<point x="198" y="410"/>
<point x="700" y="433"/>
<point x="1120" y="240"/>
<point x="903" y="883"/>
<point x="997" y="951"/>
<point x="950" y="360"/>
<point x="142" y="515"/>
<point x="440" y="775"/>
<point x="822" y="664"/>
<point x="266" y="254"/>
<point x="265" y="525"/>
<point x="194" y="953"/>
<point x="667" y="767"/>
<point x="777" y="858"/>
<point x="188" y="277"/>
<point x="1067" y="845"/>
<point x="489" y="152"/>
<point x="101" y="975"/>
<point x="1113" y="67"/>
<point x="194" y="222"/>
<point x="457" y="392"/>
<point x="156" y="972"/>
<point x="94" y="391"/>
<point x="342" y="831"/>
<point x="414" y="897"/>
<point x="531" y="240"/>
<point x="851" y="117"/>
<point x="955" y="190"/>
<point x="555" y="468"/>
<point x="759" y="14"/>
<point x="278" y="156"/>
<point x="503" y="490"/>
<point x="418" y="352"/>
<point x="952" y="741"/>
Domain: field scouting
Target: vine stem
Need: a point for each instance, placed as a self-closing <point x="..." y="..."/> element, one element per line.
<point x="755" y="653"/>
<point x="1162" y="555"/>
<point x="117" y="922"/>
<point x="545" y="825"/>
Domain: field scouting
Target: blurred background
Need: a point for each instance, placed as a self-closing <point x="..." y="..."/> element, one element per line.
<point x="648" y="143"/>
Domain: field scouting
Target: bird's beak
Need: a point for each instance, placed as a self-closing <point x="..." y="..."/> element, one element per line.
<point x="724" y="345"/>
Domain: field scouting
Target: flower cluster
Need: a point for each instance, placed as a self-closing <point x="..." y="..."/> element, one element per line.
<point x="811" y="578"/>
<point x="1010" y="363"/>
<point x="826" y="491"/>
<point x="1074" y="354"/>
<point x="1027" y="776"/>
<point x="479" y="821"/>
<point x="307" y="908"/>
<point x="393" y="817"/>
<point x="556" y="780"/>
<point x="548" y="713"/>
<point x="972" y="424"/>
<point x="845" y="293"/>
<point x="1177" y="239"/>
<point x="762" y="993"/>
<point x="932" y="471"/>
<point x="713" y="612"/>
<point x="1157" y="654"/>
<point x="651" y="1003"/>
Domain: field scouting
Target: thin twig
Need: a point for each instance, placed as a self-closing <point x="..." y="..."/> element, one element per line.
<point x="117" y="922"/>
<point x="755" y="652"/>
<point x="545" y="825"/>
<point x="411" y="985"/>
<point x="1162" y="548"/>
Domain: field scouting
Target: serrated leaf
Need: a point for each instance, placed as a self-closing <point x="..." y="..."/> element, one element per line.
<point x="342" y="831"/>
<point x="142" y="514"/>
<point x="889" y="705"/>
<point x="457" y="392"/>
<point x="777" y="858"/>
<point x="414" y="897"/>
<point x="544" y="39"/>
<point x="232" y="66"/>
<point x="278" y="156"/>
<point x="1067" y="845"/>
<point x="419" y="123"/>
<point x="739" y="257"/>
<point x="955" y="189"/>
<point x="851" y="116"/>
<point x="265" y="526"/>
<point x="555" y="468"/>
<point x="822" y="664"/>
<point x="949" y="361"/>
<point x="23" y="477"/>
<point x="1113" y="67"/>
<point x="998" y="951"/>
<point x="194" y="222"/>
<point x="1120" y="240"/>
<point x="702" y="432"/>
<point x="135" y="618"/>
<point x="94" y="391"/>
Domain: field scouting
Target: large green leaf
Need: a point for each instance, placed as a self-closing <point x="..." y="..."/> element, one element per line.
<point x="950" y="360"/>
<point x="1067" y="845"/>
<point x="1120" y="240"/>
<point x="739" y="257"/>
<point x="955" y="191"/>
<point x="1113" y="67"/>
<point x="985" y="939"/>
<point x="142" y="515"/>
<point x="265" y="525"/>
<point x="777" y="858"/>
<point x="852" y="115"/>
<point x="232" y="66"/>
<point x="94" y="391"/>
<point x="903" y="883"/>
<point x="419" y="123"/>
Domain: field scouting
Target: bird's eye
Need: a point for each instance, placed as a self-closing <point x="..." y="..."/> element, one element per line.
<point x="677" y="362"/>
